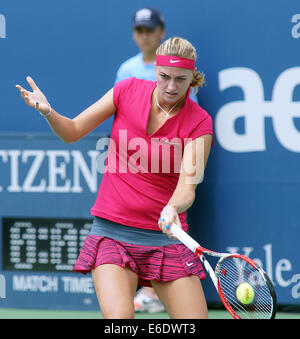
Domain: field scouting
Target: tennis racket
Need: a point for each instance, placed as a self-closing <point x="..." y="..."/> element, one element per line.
<point x="231" y="271"/>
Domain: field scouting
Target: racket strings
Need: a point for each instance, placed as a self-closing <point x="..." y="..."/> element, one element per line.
<point x="234" y="271"/>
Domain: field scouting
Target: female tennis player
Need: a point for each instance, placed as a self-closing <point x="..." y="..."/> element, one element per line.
<point x="139" y="197"/>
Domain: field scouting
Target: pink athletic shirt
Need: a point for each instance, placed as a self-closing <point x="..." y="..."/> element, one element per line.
<point x="142" y="170"/>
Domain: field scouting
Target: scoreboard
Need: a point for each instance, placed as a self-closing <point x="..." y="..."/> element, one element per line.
<point x="42" y="244"/>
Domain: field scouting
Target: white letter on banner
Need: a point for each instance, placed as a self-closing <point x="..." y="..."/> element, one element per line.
<point x="296" y="28"/>
<point x="80" y="166"/>
<point x="251" y="109"/>
<point x="284" y="109"/>
<point x="38" y="156"/>
<point x="2" y="286"/>
<point x="55" y="170"/>
<point x="14" y="171"/>
<point x="2" y="27"/>
<point x="3" y="155"/>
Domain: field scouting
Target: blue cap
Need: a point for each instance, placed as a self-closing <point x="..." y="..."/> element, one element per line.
<point x="148" y="17"/>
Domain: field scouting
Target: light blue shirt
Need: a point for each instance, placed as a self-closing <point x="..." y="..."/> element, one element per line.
<point x="136" y="67"/>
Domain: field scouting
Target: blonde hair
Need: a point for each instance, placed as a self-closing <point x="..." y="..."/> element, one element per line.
<point x="183" y="48"/>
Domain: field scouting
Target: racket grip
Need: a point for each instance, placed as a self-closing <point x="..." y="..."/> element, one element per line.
<point x="181" y="235"/>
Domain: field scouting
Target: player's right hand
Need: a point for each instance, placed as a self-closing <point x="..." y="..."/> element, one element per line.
<point x="36" y="98"/>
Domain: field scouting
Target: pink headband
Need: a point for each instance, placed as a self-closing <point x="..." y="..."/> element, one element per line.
<point x="174" y="61"/>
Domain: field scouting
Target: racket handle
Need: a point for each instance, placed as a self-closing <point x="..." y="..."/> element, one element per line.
<point x="187" y="240"/>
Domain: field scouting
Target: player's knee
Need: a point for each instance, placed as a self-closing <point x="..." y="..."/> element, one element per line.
<point x="117" y="310"/>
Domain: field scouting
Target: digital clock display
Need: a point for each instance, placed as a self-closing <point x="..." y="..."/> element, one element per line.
<point x="42" y="244"/>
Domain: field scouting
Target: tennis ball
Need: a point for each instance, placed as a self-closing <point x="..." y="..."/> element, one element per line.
<point x="245" y="293"/>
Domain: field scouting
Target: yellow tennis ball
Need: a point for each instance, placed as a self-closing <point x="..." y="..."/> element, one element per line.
<point x="245" y="293"/>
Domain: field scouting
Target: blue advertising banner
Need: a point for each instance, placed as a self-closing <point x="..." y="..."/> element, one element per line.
<point x="249" y="199"/>
<point x="47" y="190"/>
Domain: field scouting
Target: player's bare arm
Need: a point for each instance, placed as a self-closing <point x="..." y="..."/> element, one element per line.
<point x="194" y="160"/>
<point x="69" y="130"/>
